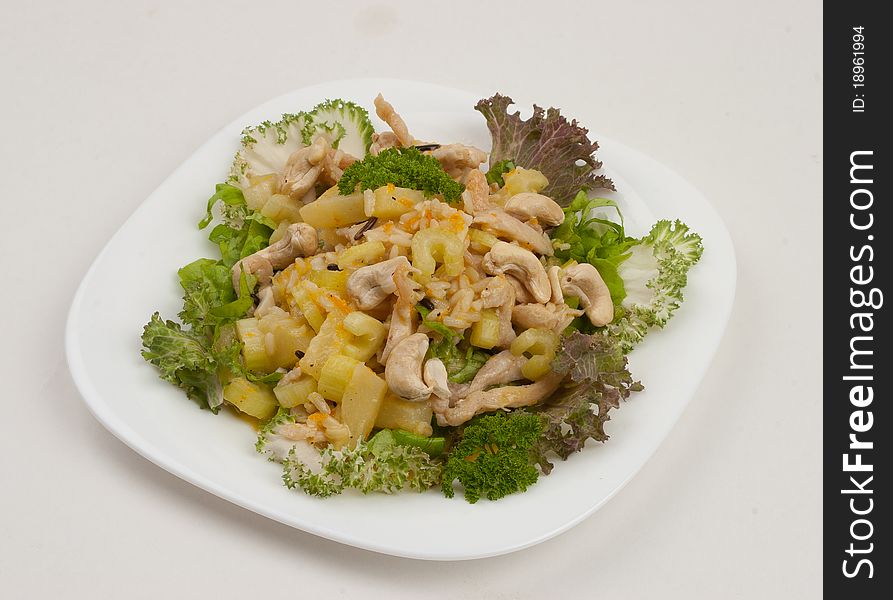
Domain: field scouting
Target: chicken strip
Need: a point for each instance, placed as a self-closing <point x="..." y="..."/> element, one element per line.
<point x="386" y="113"/>
<point x="459" y="160"/>
<point x="512" y="396"/>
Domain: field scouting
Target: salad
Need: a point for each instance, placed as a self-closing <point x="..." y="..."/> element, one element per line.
<point x="402" y="314"/>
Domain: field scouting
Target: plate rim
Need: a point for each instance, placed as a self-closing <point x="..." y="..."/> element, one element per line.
<point x="104" y="412"/>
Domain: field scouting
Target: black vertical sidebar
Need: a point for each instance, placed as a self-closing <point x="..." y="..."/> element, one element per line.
<point x="857" y="368"/>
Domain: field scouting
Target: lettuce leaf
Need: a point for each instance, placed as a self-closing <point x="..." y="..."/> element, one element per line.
<point x="560" y="149"/>
<point x="243" y="231"/>
<point x="209" y="299"/>
<point x="379" y="465"/>
<point x="435" y="326"/>
<point x="229" y="195"/>
<point x="462" y="361"/>
<point x="586" y="237"/>
<point x="238" y="242"/>
<point x="599" y="380"/>
<point x="188" y="360"/>
<point x="654" y="275"/>
<point x="494" y="175"/>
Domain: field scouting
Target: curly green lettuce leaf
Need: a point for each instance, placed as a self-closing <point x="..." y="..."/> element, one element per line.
<point x="188" y="360"/>
<point x="379" y="465"/>
<point x="598" y="380"/>
<point x="654" y="276"/>
<point x="493" y="457"/>
<point x="346" y="125"/>
<point x="403" y="167"/>
<point x="270" y="440"/>
<point x="560" y="149"/>
<point x="266" y="147"/>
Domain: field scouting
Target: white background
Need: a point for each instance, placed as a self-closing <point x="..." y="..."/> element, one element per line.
<point x="100" y="101"/>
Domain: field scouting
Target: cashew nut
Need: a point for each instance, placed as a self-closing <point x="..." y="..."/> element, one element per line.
<point x="507" y="258"/>
<point x="403" y="372"/>
<point x="304" y="167"/>
<point x="583" y="280"/>
<point x="299" y="240"/>
<point x="435" y="376"/>
<point x="528" y="205"/>
<point x="369" y="286"/>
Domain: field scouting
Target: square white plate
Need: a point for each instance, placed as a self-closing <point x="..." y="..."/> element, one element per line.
<point x="135" y="275"/>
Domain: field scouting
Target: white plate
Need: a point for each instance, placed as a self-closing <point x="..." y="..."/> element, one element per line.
<point x="135" y="275"/>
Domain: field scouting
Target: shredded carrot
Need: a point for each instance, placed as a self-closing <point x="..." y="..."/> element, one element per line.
<point x="338" y="302"/>
<point x="317" y="418"/>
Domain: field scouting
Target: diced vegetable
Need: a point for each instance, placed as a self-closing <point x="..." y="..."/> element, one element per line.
<point x="541" y="345"/>
<point x="328" y="341"/>
<point x="334" y="211"/>
<point x="485" y="333"/>
<point x="335" y="375"/>
<point x="361" y="402"/>
<point x="482" y="239"/>
<point x="254" y="352"/>
<point x="392" y="201"/>
<point x="432" y="246"/>
<point x="282" y="208"/>
<point x="369" y="334"/>
<point x="520" y="180"/>
<point x="308" y="307"/>
<point x="333" y="281"/>
<point x="260" y="189"/>
<point x="537" y="367"/>
<point x="535" y="341"/>
<point x="361" y="255"/>
<point x="295" y="393"/>
<point x="396" y="413"/>
<point x="254" y="399"/>
<point x="289" y="336"/>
